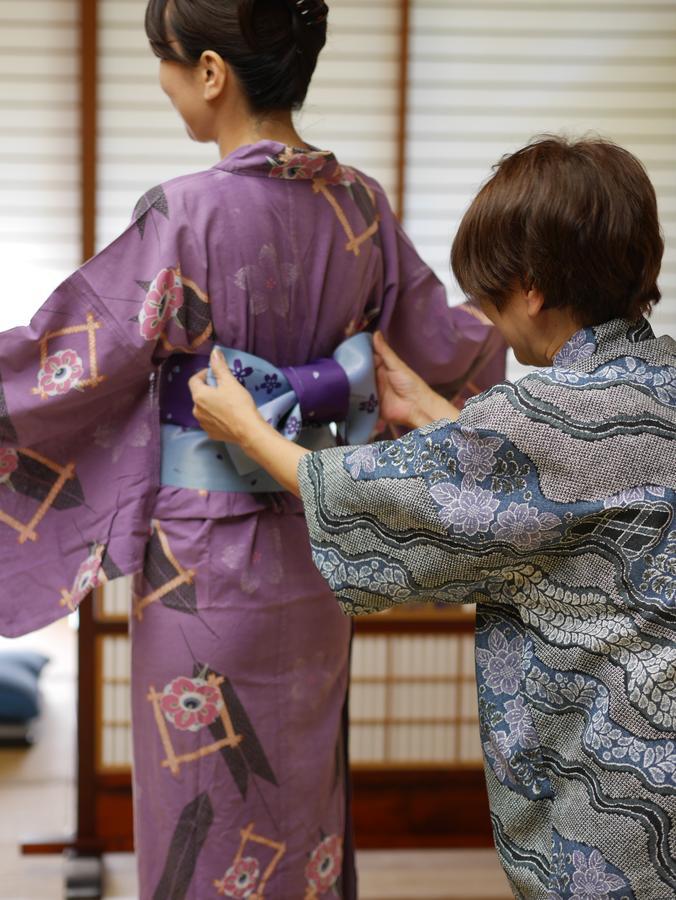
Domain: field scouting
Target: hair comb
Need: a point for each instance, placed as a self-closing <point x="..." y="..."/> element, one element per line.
<point x="312" y="12"/>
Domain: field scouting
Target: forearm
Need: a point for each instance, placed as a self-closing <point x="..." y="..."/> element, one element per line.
<point x="274" y="453"/>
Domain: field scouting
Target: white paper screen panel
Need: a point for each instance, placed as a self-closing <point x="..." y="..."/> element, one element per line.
<point x="413" y="701"/>
<point x="351" y="108"/>
<point x="487" y="75"/>
<point x="114" y="704"/>
<point x="39" y="142"/>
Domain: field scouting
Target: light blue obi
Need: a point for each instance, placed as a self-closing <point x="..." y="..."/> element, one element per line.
<point x="318" y="405"/>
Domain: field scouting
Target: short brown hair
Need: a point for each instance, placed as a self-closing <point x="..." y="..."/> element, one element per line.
<point x="575" y="219"/>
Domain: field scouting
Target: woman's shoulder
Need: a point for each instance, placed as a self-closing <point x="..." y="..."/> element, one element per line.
<point x="178" y="193"/>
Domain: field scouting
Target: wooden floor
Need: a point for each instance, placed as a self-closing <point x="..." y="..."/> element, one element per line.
<point x="37" y="797"/>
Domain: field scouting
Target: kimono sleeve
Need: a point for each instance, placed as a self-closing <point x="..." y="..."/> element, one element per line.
<point x="445" y="514"/>
<point x="454" y="348"/>
<point x="79" y="452"/>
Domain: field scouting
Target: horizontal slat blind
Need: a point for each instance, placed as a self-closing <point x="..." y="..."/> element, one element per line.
<point x="142" y="140"/>
<point x="351" y="107"/>
<point x="39" y="140"/>
<point x="487" y="75"/>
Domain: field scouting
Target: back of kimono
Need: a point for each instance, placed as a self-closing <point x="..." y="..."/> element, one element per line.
<point x="240" y="653"/>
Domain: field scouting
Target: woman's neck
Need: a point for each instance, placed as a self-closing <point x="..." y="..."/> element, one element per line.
<point x="274" y="126"/>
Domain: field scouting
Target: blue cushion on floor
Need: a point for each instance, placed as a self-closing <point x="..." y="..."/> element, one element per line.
<point x="26" y="659"/>
<point x="19" y="674"/>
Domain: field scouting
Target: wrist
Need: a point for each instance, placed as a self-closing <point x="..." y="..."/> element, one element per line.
<point x="432" y="407"/>
<point x="253" y="433"/>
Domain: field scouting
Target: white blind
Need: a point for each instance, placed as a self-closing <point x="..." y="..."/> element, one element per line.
<point x="487" y="75"/>
<point x="351" y="107"/>
<point x="39" y="140"/>
<point x="142" y="141"/>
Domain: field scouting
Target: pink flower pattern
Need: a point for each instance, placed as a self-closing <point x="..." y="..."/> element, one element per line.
<point x="87" y="577"/>
<point x="241" y="878"/>
<point x="191" y="703"/>
<point x="61" y="372"/>
<point x="294" y="165"/>
<point x="163" y="300"/>
<point x="298" y="164"/>
<point x="9" y="462"/>
<point x="325" y="864"/>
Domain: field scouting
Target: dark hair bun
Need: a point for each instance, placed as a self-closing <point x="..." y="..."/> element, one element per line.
<point x="271" y="45"/>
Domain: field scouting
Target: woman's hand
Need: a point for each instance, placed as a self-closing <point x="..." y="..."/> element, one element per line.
<point x="226" y="412"/>
<point x="405" y="399"/>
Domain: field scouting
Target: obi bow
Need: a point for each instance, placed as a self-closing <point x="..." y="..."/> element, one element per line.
<point x="293" y="399"/>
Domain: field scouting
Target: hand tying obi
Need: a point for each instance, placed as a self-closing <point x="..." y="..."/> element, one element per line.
<point x="300" y="402"/>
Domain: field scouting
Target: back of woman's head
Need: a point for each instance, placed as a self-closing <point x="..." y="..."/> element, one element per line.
<point x="271" y="45"/>
<point x="575" y="219"/>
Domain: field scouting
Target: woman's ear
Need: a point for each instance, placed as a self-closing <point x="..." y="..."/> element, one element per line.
<point x="214" y="73"/>
<point x="534" y="302"/>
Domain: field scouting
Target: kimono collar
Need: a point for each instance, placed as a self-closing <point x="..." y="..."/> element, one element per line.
<point x="270" y="159"/>
<point x="589" y="342"/>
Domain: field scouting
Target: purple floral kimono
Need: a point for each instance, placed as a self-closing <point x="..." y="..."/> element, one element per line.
<point x="240" y="652"/>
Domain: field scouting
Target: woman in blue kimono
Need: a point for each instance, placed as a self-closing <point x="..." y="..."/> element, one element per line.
<point x="551" y="503"/>
<point x="240" y="657"/>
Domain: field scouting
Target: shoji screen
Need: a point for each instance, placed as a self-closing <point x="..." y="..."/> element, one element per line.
<point x="39" y="142"/>
<point x="141" y="139"/>
<point x="486" y="75"/>
<point x="352" y="106"/>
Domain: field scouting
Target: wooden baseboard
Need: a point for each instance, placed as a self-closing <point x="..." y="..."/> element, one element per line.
<point x="423" y="809"/>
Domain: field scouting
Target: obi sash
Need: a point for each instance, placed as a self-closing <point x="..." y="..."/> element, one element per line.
<point x="316" y="405"/>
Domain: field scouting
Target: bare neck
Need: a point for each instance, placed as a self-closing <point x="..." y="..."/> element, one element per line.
<point x="249" y="129"/>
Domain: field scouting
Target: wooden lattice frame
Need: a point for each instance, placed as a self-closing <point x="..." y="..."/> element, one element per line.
<point x="248" y="835"/>
<point x="173" y="761"/>
<point x="27" y="530"/>
<point x="183" y="576"/>
<point x="90" y="329"/>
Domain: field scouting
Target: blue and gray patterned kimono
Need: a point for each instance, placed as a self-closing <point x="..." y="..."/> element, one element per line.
<point x="551" y="504"/>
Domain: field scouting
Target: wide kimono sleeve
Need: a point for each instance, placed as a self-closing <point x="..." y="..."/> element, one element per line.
<point x="455" y="349"/>
<point x="446" y="514"/>
<point x="79" y="448"/>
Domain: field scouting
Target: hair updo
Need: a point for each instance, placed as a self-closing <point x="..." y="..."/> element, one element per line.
<point x="271" y="45"/>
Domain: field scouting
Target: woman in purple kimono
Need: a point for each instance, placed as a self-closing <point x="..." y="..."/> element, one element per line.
<point x="240" y="654"/>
